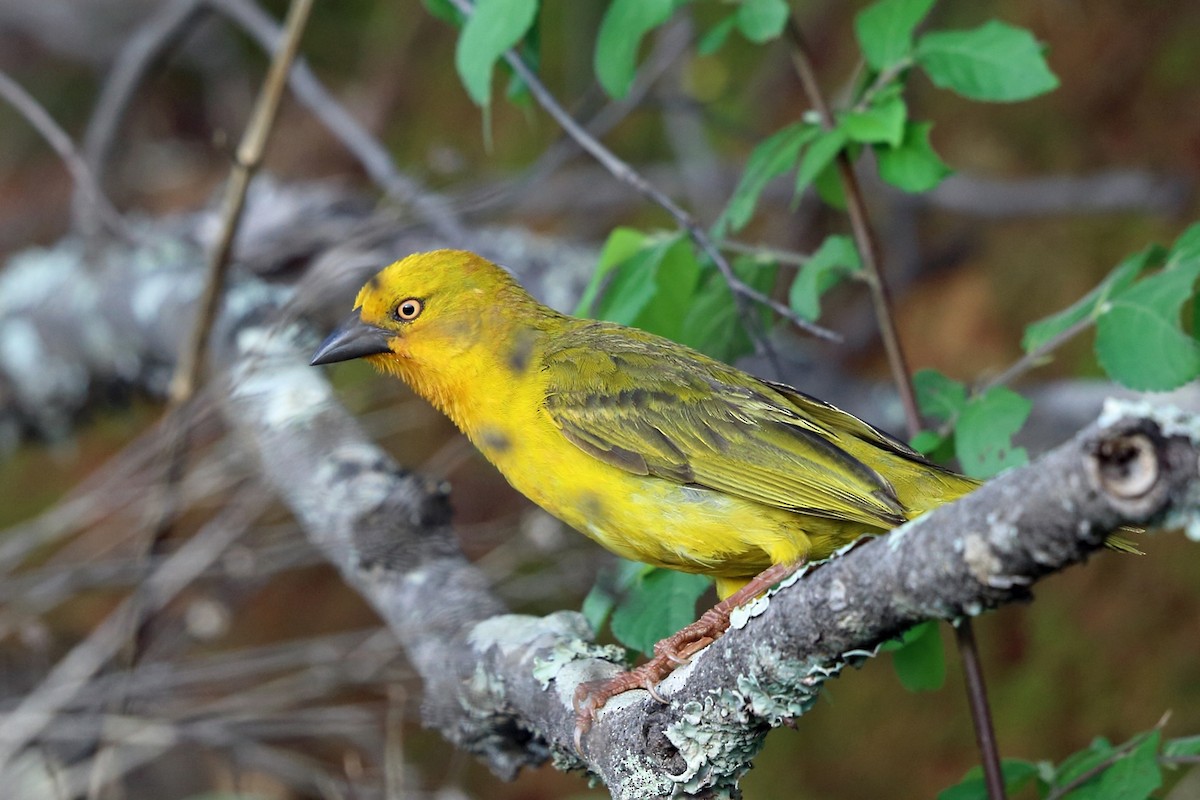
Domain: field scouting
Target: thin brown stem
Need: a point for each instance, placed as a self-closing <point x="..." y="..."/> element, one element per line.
<point x="1035" y="356"/>
<point x="981" y="710"/>
<point x="864" y="238"/>
<point x="1116" y="755"/>
<point x="868" y="249"/>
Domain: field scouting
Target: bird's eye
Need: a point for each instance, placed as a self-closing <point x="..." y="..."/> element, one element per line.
<point x="408" y="310"/>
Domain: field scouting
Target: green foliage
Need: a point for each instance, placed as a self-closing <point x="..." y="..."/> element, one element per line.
<point x="1140" y="339"/>
<point x="834" y="259"/>
<point x="1017" y="775"/>
<point x="1145" y="319"/>
<point x="985" y="430"/>
<point x="994" y="62"/>
<point x="645" y="279"/>
<point x="885" y="30"/>
<point x="712" y="323"/>
<point x="918" y="658"/>
<point x="983" y="424"/>
<point x="773" y="157"/>
<point x="1095" y="302"/>
<point x="819" y="155"/>
<point x="939" y="396"/>
<point x="643" y="604"/>
<point x="494" y="27"/>
<point x="881" y="122"/>
<point x="625" y="24"/>
<point x="445" y="11"/>
<point x="912" y="165"/>
<point x="1098" y="772"/>
<point x="761" y="20"/>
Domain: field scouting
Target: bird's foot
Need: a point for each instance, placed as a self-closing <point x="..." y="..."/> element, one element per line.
<point x="591" y="696"/>
<point x="670" y="653"/>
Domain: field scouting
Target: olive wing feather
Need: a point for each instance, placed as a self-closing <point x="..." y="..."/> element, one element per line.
<point x="651" y="407"/>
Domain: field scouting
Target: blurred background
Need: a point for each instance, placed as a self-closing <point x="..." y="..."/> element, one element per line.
<point x="272" y="679"/>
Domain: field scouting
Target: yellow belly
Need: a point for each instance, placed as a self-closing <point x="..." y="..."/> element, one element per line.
<point x="653" y="520"/>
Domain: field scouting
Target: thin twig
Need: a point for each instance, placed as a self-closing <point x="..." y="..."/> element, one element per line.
<point x="868" y="249"/>
<point x="667" y="50"/>
<point x="246" y="161"/>
<point x="58" y="139"/>
<point x="631" y="177"/>
<point x="1112" y="758"/>
<point x="1036" y="356"/>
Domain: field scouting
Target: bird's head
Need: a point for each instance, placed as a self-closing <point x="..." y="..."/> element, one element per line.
<point x="424" y="312"/>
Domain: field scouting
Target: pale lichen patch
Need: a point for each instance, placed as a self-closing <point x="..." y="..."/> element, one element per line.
<point x="981" y="561"/>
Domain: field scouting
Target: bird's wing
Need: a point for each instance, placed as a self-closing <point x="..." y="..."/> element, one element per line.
<point x="654" y="408"/>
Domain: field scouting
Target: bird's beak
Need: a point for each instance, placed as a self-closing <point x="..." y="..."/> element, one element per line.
<point x="352" y="339"/>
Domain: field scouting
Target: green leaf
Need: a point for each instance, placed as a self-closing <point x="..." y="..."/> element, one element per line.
<point x="1017" y="775"/>
<point x="828" y="184"/>
<point x="1121" y="277"/>
<point x="885" y="30"/>
<point x="1133" y="776"/>
<point x="1139" y="341"/>
<point x="1183" y="746"/>
<point x="517" y="91"/>
<point x="597" y="605"/>
<point x="612" y="583"/>
<point x="881" y="122"/>
<point x="834" y="259"/>
<point x="925" y="442"/>
<point x="1187" y="246"/>
<point x="762" y="20"/>
<point x="939" y="396"/>
<point x="625" y="24"/>
<point x="918" y="659"/>
<point x="676" y="277"/>
<point x="819" y="155"/>
<point x="1082" y="761"/>
<point x="994" y="62"/>
<point x="712" y="323"/>
<point x="494" y="27"/>
<point x="445" y="11"/>
<point x="717" y="35"/>
<point x="651" y="287"/>
<point x="913" y="165"/>
<point x="985" y="430"/>
<point x="620" y="246"/>
<point x="659" y="604"/>
<point x="771" y="158"/>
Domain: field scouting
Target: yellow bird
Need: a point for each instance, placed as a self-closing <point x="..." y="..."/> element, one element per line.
<point x="658" y="452"/>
